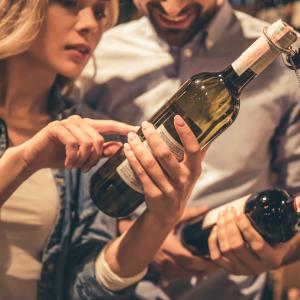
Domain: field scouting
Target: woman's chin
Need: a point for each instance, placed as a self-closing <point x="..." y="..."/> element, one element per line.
<point x="71" y="73"/>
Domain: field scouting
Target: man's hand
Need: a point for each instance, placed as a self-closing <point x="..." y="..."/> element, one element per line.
<point x="175" y="261"/>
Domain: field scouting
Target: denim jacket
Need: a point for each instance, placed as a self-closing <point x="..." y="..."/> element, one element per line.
<point x="81" y="230"/>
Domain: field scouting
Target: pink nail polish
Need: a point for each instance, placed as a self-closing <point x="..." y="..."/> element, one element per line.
<point x="145" y="124"/>
<point x="127" y="147"/>
<point x="179" y="121"/>
<point x="131" y="135"/>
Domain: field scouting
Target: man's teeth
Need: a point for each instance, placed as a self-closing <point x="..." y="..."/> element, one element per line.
<point x="175" y="19"/>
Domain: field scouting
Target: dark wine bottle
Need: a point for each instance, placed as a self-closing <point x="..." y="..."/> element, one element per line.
<point x="275" y="214"/>
<point x="208" y="102"/>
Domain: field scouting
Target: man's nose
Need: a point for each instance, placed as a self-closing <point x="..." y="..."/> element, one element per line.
<point x="173" y="7"/>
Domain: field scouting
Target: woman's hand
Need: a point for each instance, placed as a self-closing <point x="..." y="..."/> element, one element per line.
<point x="236" y="246"/>
<point x="72" y="143"/>
<point x="167" y="183"/>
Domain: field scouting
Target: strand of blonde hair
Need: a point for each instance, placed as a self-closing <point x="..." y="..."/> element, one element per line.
<point x="20" y="22"/>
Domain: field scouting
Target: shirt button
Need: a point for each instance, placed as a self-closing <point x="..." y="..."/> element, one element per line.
<point x="187" y="52"/>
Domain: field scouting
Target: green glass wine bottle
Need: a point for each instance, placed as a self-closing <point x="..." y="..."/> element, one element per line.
<point x="208" y="102"/>
<point x="275" y="214"/>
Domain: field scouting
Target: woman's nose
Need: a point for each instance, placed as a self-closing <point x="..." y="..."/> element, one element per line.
<point x="87" y="22"/>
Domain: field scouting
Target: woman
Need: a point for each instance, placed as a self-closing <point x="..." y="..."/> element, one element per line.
<point x="53" y="245"/>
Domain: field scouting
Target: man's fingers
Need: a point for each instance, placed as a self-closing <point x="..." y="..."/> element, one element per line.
<point x="171" y="271"/>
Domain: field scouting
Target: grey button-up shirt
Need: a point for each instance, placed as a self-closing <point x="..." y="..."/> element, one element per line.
<point x="138" y="72"/>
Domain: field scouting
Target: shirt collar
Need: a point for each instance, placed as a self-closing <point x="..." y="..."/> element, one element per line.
<point x="218" y="26"/>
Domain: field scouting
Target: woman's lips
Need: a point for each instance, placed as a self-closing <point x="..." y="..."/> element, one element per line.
<point x="78" y="52"/>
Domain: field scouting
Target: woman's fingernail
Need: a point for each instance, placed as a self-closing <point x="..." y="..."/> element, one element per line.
<point x="127" y="147"/>
<point x="230" y="208"/>
<point x="145" y="124"/>
<point x="131" y="135"/>
<point x="239" y="216"/>
<point x="221" y="217"/>
<point x="179" y="121"/>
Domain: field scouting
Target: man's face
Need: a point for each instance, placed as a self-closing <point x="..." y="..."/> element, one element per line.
<point x="177" y="21"/>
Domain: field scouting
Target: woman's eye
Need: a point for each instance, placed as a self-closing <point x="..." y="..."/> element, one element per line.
<point x="100" y="12"/>
<point x="69" y="3"/>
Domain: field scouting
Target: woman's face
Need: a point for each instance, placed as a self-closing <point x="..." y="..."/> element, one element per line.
<point x="69" y="35"/>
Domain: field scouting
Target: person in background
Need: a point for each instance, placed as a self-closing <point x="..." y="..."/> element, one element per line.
<point x="144" y="62"/>
<point x="54" y="245"/>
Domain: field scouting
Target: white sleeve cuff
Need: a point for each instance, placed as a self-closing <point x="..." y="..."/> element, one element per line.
<point x="109" y="279"/>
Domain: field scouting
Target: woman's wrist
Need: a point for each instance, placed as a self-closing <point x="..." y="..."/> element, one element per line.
<point x="17" y="171"/>
<point x="109" y="278"/>
<point x="18" y="155"/>
<point x="167" y="221"/>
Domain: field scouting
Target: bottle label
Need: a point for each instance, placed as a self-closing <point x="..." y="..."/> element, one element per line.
<point x="127" y="174"/>
<point x="260" y="54"/>
<point x="212" y="216"/>
<point x="297" y="203"/>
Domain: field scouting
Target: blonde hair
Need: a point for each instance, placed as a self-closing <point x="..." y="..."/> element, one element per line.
<point x="112" y="13"/>
<point x="21" y="21"/>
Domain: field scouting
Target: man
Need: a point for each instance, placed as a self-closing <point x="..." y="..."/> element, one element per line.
<point x="142" y="63"/>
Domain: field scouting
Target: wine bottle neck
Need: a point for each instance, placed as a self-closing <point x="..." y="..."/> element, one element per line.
<point x="235" y="82"/>
<point x="250" y="64"/>
<point x="258" y="56"/>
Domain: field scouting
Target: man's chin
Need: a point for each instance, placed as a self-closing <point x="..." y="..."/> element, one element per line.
<point x="175" y="37"/>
